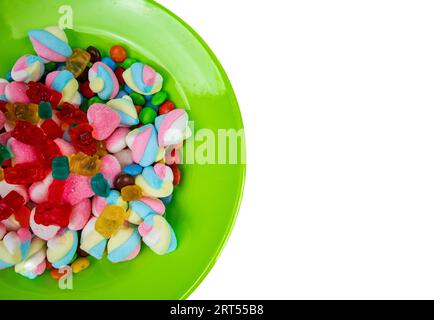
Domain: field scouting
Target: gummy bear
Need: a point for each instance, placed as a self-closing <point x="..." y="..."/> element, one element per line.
<point x="50" y="213"/>
<point x="81" y="138"/>
<point x="37" y="92"/>
<point x="44" y="110"/>
<point x="5" y="154"/>
<point x="47" y="151"/>
<point x="101" y="149"/>
<point x="84" y="164"/>
<point x="28" y="133"/>
<point x="110" y="220"/>
<point x="131" y="193"/>
<point x="100" y="185"/>
<point x="2" y="174"/>
<point x="25" y="173"/>
<point x="55" y="190"/>
<point x="14" y="200"/>
<point x="5" y="211"/>
<point x="22" y="215"/>
<point x="70" y="114"/>
<point x="55" y="98"/>
<point x="51" y="129"/>
<point x="22" y="111"/>
<point x="60" y="168"/>
<point x="77" y="62"/>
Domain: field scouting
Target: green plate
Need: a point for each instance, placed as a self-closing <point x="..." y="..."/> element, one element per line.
<point x="206" y="203"/>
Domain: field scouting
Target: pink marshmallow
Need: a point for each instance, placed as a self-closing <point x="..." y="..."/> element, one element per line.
<point x="65" y="147"/>
<point x="116" y="142"/>
<point x="77" y="188"/>
<point x="41" y="231"/>
<point x="23" y="153"/>
<point x="80" y="215"/>
<point x="125" y="157"/>
<point x="38" y="191"/>
<point x="16" y="92"/>
<point x="110" y="168"/>
<point x="5" y="188"/>
<point x="103" y="119"/>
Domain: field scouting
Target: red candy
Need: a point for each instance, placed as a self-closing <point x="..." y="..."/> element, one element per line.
<point x="69" y="114"/>
<point x="118" y="53"/>
<point x="3" y="106"/>
<point x="55" y="190"/>
<point x="86" y="91"/>
<point x="25" y="173"/>
<point x="119" y="72"/>
<point x="49" y="213"/>
<point x="166" y="107"/>
<point x="28" y="133"/>
<point x="176" y="174"/>
<point x="81" y="138"/>
<point x="5" y="211"/>
<point x="51" y="129"/>
<point x="47" y="151"/>
<point x="37" y="92"/>
<point x="55" y="99"/>
<point x="22" y="215"/>
<point x="14" y="200"/>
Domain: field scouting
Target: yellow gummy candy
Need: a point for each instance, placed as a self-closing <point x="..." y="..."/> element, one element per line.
<point x="84" y="164"/>
<point x="80" y="264"/>
<point x="77" y="62"/>
<point x="131" y="193"/>
<point x="110" y="220"/>
<point x="22" y="111"/>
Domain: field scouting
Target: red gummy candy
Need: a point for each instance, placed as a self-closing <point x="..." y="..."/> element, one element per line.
<point x="50" y="213"/>
<point x="166" y="107"/>
<point x="28" y="133"/>
<point x="81" y="138"/>
<point x="37" y="92"/>
<point x="47" y="151"/>
<point x="86" y="91"/>
<point x="176" y="174"/>
<point x="119" y="74"/>
<point x="3" y="106"/>
<point x="55" y="98"/>
<point x="55" y="190"/>
<point x="5" y="211"/>
<point x="14" y="200"/>
<point x="69" y="114"/>
<point x="25" y="173"/>
<point x="22" y="215"/>
<point x="51" y="129"/>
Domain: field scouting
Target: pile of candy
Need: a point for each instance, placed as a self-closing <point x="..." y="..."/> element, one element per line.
<point x="89" y="148"/>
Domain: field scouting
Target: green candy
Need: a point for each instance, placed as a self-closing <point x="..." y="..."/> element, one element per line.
<point x="128" y="63"/>
<point x="138" y="99"/>
<point x="147" y="115"/>
<point x="5" y="154"/>
<point x="159" y="98"/>
<point x="50" y="66"/>
<point x="84" y="105"/>
<point x="100" y="185"/>
<point x="93" y="100"/>
<point x="44" y="110"/>
<point x="60" y="168"/>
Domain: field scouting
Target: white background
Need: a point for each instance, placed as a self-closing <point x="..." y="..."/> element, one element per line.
<point x="337" y="99"/>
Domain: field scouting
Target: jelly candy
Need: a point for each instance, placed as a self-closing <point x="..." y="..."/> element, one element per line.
<point x="100" y="185"/>
<point x="77" y="62"/>
<point x="50" y="213"/>
<point x="147" y="115"/>
<point x="95" y="55"/>
<point x="22" y="111"/>
<point x="47" y="151"/>
<point x="82" y="140"/>
<point x="2" y="173"/>
<point x="101" y="149"/>
<point x="80" y="264"/>
<point x="28" y="133"/>
<point x="14" y="200"/>
<point x="5" y="211"/>
<point x="60" y="168"/>
<point x="138" y="99"/>
<point x="84" y="164"/>
<point x="44" y="110"/>
<point x="37" y="92"/>
<point x="124" y="180"/>
<point x="51" y="129"/>
<point x="110" y="220"/>
<point x="131" y="193"/>
<point x="159" y="98"/>
<point x="118" y="53"/>
<point x="166" y="107"/>
<point x="70" y="114"/>
<point x="25" y="173"/>
<point x="22" y="215"/>
<point x="5" y="154"/>
<point x="56" y="190"/>
<point x="55" y="99"/>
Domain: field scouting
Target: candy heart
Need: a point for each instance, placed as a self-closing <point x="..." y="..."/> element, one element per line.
<point x="16" y="92"/>
<point x="77" y="188"/>
<point x="22" y="152"/>
<point x="103" y="119"/>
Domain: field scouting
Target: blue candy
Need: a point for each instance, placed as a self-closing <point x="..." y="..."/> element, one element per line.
<point x="167" y="200"/>
<point x="9" y="76"/>
<point x="127" y="89"/>
<point x="109" y="62"/>
<point x="133" y="169"/>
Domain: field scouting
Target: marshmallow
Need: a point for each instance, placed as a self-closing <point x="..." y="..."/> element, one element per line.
<point x="143" y="79"/>
<point x="41" y="231"/>
<point x="116" y="142"/>
<point x="65" y="83"/>
<point x="28" y="68"/>
<point x="51" y="44"/>
<point x="157" y="234"/>
<point x="3" y="84"/>
<point x="140" y="209"/>
<point x="14" y="247"/>
<point x="172" y="127"/>
<point x="62" y="248"/>
<point x="126" y="110"/>
<point x="143" y="144"/>
<point x="92" y="241"/>
<point x="103" y="81"/>
<point x="34" y="265"/>
<point x="156" y="181"/>
<point x="124" y="245"/>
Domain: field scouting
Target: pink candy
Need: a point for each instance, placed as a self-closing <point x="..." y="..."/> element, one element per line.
<point x="77" y="188"/>
<point x="103" y="119"/>
<point x="80" y="215"/>
<point x="116" y="142"/>
<point x="16" y="92"/>
<point x="22" y="152"/>
<point x="110" y="168"/>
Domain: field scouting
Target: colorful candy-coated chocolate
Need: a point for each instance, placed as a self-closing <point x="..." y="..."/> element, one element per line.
<point x="159" y="98"/>
<point x="133" y="169"/>
<point x="157" y="234"/>
<point x="28" y="68"/>
<point x="35" y="263"/>
<point x="143" y="144"/>
<point x="123" y="180"/>
<point x="118" y="53"/>
<point x="143" y="79"/>
<point x="95" y="55"/>
<point x="61" y="249"/>
<point x="109" y="62"/>
<point x="124" y="245"/>
<point x="92" y="241"/>
<point x="171" y="127"/>
<point x="51" y="44"/>
<point x="140" y="209"/>
<point x="156" y="181"/>
<point x="65" y="83"/>
<point x="103" y="81"/>
<point x="147" y="115"/>
<point x="126" y="110"/>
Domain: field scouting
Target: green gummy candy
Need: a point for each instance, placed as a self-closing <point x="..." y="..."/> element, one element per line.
<point x="60" y="168"/>
<point x="5" y="154"/>
<point x="44" y="110"/>
<point x="138" y="99"/>
<point x="147" y="115"/>
<point x="159" y="98"/>
<point x="100" y="185"/>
